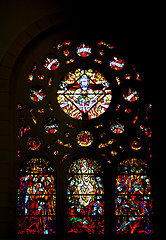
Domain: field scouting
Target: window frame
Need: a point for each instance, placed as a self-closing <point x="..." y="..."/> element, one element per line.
<point x="106" y="167"/>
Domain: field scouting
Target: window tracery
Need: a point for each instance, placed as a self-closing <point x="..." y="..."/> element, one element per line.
<point x="84" y="96"/>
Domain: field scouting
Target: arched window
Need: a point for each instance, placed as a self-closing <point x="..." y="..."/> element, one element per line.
<point x="37" y="197"/>
<point x="133" y="197"/>
<point x="82" y="100"/>
<point x="85" y="193"/>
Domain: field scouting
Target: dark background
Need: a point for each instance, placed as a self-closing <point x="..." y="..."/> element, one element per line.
<point x="130" y="25"/>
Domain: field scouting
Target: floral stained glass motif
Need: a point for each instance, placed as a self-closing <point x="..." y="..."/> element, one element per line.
<point x="84" y="138"/>
<point x="36" y="198"/>
<point x="23" y="130"/>
<point x="60" y="142"/>
<point x="133" y="198"/>
<point x="85" y="193"/>
<point x="103" y="145"/>
<point x="33" y="117"/>
<point x="31" y="74"/>
<point x="66" y="53"/>
<point x="62" y="44"/>
<point x="106" y="44"/>
<point x="84" y="94"/>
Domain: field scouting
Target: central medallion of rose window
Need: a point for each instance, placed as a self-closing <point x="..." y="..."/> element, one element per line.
<point x="84" y="94"/>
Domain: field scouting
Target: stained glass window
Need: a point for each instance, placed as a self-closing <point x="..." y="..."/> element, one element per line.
<point x="83" y="51"/>
<point x="51" y="63"/>
<point x="117" y="63"/>
<point x="117" y="127"/>
<point x="84" y="94"/>
<point x="51" y="125"/>
<point x="37" y="94"/>
<point x="130" y="95"/>
<point x="83" y="100"/>
<point x="37" y="198"/>
<point x="84" y="138"/>
<point x="85" y="194"/>
<point x="133" y="201"/>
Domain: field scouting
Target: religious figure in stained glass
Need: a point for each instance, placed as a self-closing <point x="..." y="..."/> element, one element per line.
<point x="85" y="197"/>
<point x="133" y="198"/>
<point x="36" y="198"/>
<point x="84" y="94"/>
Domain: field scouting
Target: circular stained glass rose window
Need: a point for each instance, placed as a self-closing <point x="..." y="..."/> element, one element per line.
<point x="84" y="94"/>
<point x="33" y="143"/>
<point x="51" y="125"/>
<point x="84" y="139"/>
